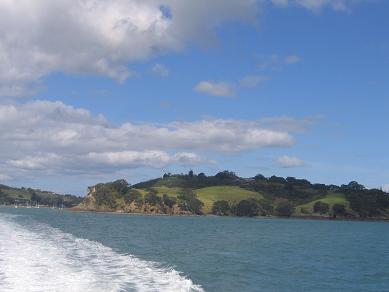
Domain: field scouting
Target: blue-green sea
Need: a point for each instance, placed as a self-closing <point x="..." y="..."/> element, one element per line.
<point x="51" y="250"/>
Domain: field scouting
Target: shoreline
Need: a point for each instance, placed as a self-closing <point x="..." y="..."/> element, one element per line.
<point x="319" y="218"/>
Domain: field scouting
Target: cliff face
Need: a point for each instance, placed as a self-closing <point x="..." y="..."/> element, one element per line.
<point x="119" y="197"/>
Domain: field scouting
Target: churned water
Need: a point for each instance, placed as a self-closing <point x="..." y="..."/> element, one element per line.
<point x="47" y="250"/>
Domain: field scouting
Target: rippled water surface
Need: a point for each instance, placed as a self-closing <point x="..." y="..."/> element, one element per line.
<point x="47" y="250"/>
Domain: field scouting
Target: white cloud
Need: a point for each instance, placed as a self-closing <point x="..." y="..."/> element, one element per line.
<point x="38" y="37"/>
<point x="4" y="177"/>
<point x="288" y="124"/>
<point x="315" y="5"/>
<point x="132" y="159"/>
<point x="215" y="88"/>
<point x="57" y="138"/>
<point x="277" y="62"/>
<point x="292" y="59"/>
<point x="161" y="70"/>
<point x="252" y="80"/>
<point x="289" y="162"/>
<point x="385" y="188"/>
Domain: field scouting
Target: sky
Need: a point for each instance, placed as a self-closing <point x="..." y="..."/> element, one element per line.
<point x="95" y="90"/>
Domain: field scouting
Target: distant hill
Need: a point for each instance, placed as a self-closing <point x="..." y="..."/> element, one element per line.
<point x="33" y="197"/>
<point x="227" y="194"/>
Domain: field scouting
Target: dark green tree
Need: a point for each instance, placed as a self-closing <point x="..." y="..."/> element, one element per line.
<point x="247" y="208"/>
<point x="320" y="207"/>
<point x="284" y="208"/>
<point x="35" y="198"/>
<point x="221" y="208"/>
<point x="152" y="198"/>
<point x="338" y="210"/>
<point x="168" y="201"/>
<point x="188" y="201"/>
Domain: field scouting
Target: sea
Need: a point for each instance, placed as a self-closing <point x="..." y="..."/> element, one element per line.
<point x="51" y="250"/>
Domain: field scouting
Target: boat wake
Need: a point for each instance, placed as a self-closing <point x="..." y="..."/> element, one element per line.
<point x="42" y="258"/>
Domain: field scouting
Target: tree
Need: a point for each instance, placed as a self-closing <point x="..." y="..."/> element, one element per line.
<point x="152" y="198"/>
<point x="131" y="196"/>
<point x="3" y="197"/>
<point x="190" y="202"/>
<point x="121" y="186"/>
<point x="104" y="198"/>
<point x="320" y="207"/>
<point x="247" y="208"/>
<point x="221" y="208"/>
<point x="338" y="210"/>
<point x="353" y="186"/>
<point x="190" y="173"/>
<point x="284" y="208"/>
<point x="259" y="177"/>
<point x="35" y="198"/>
<point x="277" y="179"/>
<point x="202" y="175"/>
<point x="168" y="201"/>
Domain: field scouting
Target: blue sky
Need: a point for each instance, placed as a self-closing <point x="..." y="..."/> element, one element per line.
<point x="292" y="88"/>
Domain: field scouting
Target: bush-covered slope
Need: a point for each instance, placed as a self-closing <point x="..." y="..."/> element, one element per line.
<point x="33" y="197"/>
<point x="227" y="194"/>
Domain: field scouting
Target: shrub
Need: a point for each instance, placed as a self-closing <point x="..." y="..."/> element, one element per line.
<point x="131" y="196"/>
<point x="190" y="202"/>
<point x="152" y="198"/>
<point x="338" y="210"/>
<point x="221" y="208"/>
<point x="247" y="208"/>
<point x="320" y="207"/>
<point x="168" y="201"/>
<point x="284" y="208"/>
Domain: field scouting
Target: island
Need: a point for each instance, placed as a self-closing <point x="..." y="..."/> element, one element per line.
<point x="226" y="194"/>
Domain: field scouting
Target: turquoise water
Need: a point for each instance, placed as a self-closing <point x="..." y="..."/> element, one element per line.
<point x="45" y="250"/>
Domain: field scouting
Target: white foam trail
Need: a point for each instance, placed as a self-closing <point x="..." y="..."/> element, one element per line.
<point x="47" y="259"/>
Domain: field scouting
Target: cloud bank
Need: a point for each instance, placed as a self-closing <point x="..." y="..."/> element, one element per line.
<point x="56" y="138"/>
<point x="38" y="37"/>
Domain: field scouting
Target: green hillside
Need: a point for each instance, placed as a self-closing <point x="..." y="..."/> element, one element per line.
<point x="331" y="199"/>
<point x="24" y="196"/>
<point x="227" y="194"/>
<point x="232" y="194"/>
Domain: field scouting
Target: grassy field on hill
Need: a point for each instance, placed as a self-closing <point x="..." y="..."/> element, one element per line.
<point x="330" y="199"/>
<point x="209" y="195"/>
<point x="231" y="194"/>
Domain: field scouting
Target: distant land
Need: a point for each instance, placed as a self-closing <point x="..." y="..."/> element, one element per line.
<point x="226" y="194"/>
<point x="28" y="197"/>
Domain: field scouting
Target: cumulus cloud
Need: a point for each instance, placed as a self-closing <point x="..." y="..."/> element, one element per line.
<point x="289" y="162"/>
<point x="52" y="136"/>
<point x="161" y="70"/>
<point x="38" y="37"/>
<point x="385" y="188"/>
<point x="215" y="88"/>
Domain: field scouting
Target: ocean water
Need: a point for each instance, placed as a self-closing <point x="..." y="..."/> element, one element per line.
<point x="48" y="250"/>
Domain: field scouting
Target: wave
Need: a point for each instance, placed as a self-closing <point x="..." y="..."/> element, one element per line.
<point x="43" y="258"/>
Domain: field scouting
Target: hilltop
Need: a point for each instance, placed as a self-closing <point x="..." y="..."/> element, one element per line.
<point x="227" y="194"/>
<point x="33" y="197"/>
